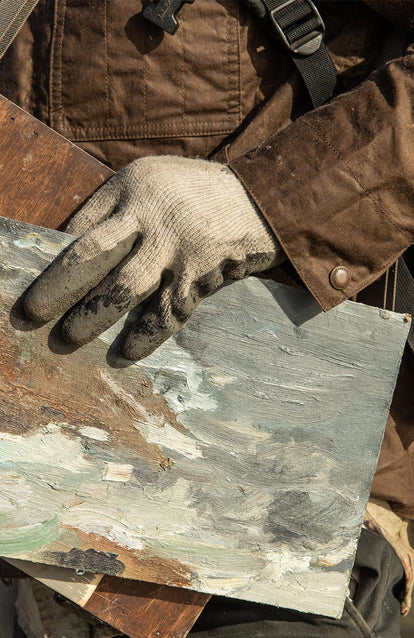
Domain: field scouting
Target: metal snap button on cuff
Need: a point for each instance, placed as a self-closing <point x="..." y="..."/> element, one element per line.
<point x="339" y="277"/>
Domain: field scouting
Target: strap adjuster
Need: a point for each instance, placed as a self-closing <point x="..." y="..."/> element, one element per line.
<point x="163" y="13"/>
<point x="301" y="31"/>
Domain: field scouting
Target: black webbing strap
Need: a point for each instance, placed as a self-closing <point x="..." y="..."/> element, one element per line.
<point x="299" y="26"/>
<point x="319" y="75"/>
<point x="404" y="295"/>
<point x="13" y="14"/>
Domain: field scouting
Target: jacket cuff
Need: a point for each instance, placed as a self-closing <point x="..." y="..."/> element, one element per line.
<point x="337" y="235"/>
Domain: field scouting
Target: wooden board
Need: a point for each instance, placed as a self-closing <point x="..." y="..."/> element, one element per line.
<point x="45" y="178"/>
<point x="231" y="461"/>
<point x="157" y="610"/>
<point x="137" y="608"/>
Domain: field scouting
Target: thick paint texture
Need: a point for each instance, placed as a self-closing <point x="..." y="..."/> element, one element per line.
<point x="236" y="460"/>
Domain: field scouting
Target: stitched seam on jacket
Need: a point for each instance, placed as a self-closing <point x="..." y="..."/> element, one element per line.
<point x="31" y="96"/>
<point x="55" y="80"/>
<point x="352" y="174"/>
<point x="59" y="103"/>
<point x="234" y="104"/>
<point x="228" y="72"/>
<point x="140" y="135"/>
<point x="181" y="32"/>
<point x="106" y="65"/>
<point x="145" y="99"/>
<point x="171" y="128"/>
<point x="240" y="112"/>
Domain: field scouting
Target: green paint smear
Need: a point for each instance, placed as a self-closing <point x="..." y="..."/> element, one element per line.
<point x="27" y="539"/>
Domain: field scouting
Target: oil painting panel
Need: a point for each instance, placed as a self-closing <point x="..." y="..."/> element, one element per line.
<point x="236" y="460"/>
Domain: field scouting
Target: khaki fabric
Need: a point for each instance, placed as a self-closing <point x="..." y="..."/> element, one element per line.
<point x="336" y="185"/>
<point x="380" y="518"/>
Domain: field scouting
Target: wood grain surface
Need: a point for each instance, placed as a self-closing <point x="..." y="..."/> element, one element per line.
<point x="232" y="461"/>
<point x="148" y="610"/>
<point x="45" y="179"/>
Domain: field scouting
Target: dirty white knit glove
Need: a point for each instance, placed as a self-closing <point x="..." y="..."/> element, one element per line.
<point x="167" y="230"/>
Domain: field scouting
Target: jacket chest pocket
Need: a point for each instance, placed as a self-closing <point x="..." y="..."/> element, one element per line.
<point x="114" y="75"/>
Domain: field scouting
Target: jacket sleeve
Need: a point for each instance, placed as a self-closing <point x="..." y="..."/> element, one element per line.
<point x="337" y="185"/>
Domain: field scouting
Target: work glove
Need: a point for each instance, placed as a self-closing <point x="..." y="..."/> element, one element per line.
<point x="166" y="231"/>
<point x="399" y="532"/>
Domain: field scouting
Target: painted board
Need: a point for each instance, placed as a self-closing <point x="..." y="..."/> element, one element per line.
<point x="236" y="460"/>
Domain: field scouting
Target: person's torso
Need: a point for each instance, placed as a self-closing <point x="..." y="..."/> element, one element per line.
<point x="106" y="78"/>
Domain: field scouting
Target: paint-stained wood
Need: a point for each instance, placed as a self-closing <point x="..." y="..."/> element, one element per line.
<point x="231" y="461"/>
<point x="45" y="178"/>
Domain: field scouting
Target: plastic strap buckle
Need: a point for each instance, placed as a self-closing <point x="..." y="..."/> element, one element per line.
<point x="301" y="35"/>
<point x="163" y="13"/>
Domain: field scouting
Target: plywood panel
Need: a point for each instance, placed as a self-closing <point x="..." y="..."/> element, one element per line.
<point x="231" y="461"/>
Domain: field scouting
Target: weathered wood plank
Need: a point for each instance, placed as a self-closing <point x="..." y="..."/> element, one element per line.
<point x="44" y="177"/>
<point x="154" y="612"/>
<point x="231" y="461"/>
<point x="138" y="609"/>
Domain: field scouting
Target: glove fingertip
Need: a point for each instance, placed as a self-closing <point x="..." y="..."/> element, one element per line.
<point x="75" y="330"/>
<point x="134" y="349"/>
<point x="139" y="344"/>
<point x="34" y="307"/>
<point x="67" y="334"/>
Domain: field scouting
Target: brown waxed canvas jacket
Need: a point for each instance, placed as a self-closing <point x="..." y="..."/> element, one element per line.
<point x="336" y="185"/>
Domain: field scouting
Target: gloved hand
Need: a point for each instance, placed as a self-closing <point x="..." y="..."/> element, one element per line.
<point x="168" y="228"/>
<point x="379" y="517"/>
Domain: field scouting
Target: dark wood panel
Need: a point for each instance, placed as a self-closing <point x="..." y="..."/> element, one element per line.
<point x="146" y="610"/>
<point x="44" y="177"/>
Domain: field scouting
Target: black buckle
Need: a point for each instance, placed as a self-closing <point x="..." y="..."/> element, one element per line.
<point x="163" y="12"/>
<point x="309" y="30"/>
